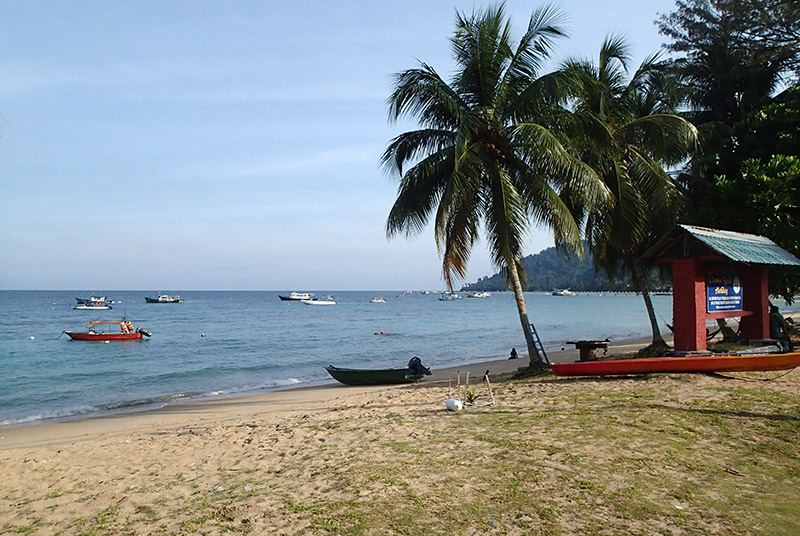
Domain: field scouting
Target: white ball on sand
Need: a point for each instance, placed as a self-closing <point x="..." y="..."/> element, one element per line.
<point x="453" y="405"/>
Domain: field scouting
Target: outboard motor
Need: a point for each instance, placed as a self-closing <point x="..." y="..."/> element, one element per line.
<point x="415" y="366"/>
<point x="143" y="332"/>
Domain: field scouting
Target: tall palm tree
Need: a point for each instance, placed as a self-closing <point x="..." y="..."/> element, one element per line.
<point x="486" y="156"/>
<point x="628" y="131"/>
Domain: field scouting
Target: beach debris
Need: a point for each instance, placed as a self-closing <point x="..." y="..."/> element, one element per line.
<point x="469" y="395"/>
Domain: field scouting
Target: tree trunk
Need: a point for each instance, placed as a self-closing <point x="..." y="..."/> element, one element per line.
<point x="728" y="335"/>
<point x="640" y="285"/>
<point x="516" y="286"/>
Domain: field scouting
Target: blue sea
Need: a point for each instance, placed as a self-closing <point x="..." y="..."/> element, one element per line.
<point x="226" y="343"/>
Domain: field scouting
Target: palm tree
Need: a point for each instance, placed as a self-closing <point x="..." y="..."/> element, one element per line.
<point x="485" y="156"/>
<point x="628" y="132"/>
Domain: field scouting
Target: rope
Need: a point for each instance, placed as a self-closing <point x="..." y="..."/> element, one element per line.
<point x="720" y="375"/>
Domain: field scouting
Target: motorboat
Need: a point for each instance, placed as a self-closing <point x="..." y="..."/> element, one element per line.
<point x="327" y="300"/>
<point x="479" y="295"/>
<point x="449" y="297"/>
<point x="92" y="306"/>
<point x="377" y="300"/>
<point x="163" y="298"/>
<point x="296" y="296"/>
<point x="563" y="292"/>
<point x="127" y="332"/>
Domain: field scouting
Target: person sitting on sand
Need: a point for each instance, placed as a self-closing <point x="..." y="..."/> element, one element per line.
<point x="513" y="354"/>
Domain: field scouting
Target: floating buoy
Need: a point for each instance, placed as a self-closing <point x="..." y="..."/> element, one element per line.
<point x="32" y="337"/>
<point x="202" y="334"/>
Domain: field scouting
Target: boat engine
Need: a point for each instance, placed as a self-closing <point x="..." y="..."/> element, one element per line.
<point x="143" y="332"/>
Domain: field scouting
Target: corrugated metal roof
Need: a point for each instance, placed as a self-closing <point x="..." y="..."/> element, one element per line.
<point x="739" y="247"/>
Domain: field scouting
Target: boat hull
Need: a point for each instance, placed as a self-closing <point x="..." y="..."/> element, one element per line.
<point x="318" y="302"/>
<point x="83" y="336"/>
<point x="694" y="363"/>
<point x="148" y="299"/>
<point x="372" y="377"/>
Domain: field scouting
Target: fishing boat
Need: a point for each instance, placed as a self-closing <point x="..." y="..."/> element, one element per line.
<point x="163" y="298"/>
<point x="296" y="296"/>
<point x="127" y="332"/>
<point x="94" y="299"/>
<point x="414" y="372"/>
<point x="327" y="300"/>
<point x="449" y="297"/>
<point x="690" y="363"/>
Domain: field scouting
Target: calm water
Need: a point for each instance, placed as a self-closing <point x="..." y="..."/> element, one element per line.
<point x="255" y="342"/>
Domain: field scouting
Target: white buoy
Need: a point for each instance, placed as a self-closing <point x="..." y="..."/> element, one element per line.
<point x="453" y="405"/>
<point x="32" y="337"/>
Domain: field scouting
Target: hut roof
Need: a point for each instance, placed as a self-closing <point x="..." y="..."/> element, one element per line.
<point x="685" y="241"/>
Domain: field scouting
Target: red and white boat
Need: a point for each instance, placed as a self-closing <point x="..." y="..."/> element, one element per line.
<point x="691" y="363"/>
<point x="126" y="332"/>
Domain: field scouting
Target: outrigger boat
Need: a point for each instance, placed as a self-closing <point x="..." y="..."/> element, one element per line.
<point x="127" y="332"/>
<point x="690" y="363"/>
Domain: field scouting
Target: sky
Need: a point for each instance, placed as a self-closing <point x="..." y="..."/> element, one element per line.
<point x="210" y="145"/>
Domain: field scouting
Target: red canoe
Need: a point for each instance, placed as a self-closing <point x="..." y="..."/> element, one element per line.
<point x="693" y="363"/>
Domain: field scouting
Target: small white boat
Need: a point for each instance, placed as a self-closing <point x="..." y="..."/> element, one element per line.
<point x="327" y="300"/>
<point x="92" y="306"/>
<point x="563" y="292"/>
<point x="377" y="300"/>
<point x="479" y="295"/>
<point x="449" y="297"/>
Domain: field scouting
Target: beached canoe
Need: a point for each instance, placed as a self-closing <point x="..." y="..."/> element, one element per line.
<point x="692" y="363"/>
<point x="414" y="372"/>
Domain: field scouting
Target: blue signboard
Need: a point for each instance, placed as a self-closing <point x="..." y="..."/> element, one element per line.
<point x="723" y="293"/>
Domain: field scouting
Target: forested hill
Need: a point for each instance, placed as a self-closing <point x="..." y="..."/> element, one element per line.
<point x="550" y="269"/>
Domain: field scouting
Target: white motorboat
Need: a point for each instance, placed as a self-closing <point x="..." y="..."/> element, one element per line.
<point x="327" y="300"/>
<point x="377" y="300"/>
<point x="563" y="292"/>
<point x="479" y="295"/>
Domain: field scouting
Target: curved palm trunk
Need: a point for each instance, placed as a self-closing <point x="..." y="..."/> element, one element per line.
<point x="641" y="286"/>
<point x="522" y="309"/>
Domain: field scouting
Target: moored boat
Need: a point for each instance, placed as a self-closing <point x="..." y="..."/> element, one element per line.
<point x="689" y="363"/>
<point x="563" y="292"/>
<point x="163" y="298"/>
<point x="414" y="372"/>
<point x="449" y="297"/>
<point x="296" y="296"/>
<point x="92" y="306"/>
<point x="327" y="300"/>
<point x="127" y="332"/>
<point x="377" y="300"/>
<point x="479" y="295"/>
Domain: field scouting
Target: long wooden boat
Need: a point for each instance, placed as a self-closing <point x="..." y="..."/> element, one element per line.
<point x="414" y="372"/>
<point x="692" y="363"/>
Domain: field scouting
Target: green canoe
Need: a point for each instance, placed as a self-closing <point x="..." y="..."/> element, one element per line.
<point x="350" y="376"/>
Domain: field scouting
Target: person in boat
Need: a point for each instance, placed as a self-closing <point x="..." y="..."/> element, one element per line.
<point x="777" y="325"/>
<point x="130" y="326"/>
<point x="123" y="327"/>
<point x="513" y="354"/>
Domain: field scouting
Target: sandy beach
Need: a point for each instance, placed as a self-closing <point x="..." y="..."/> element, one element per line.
<point x="392" y="460"/>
